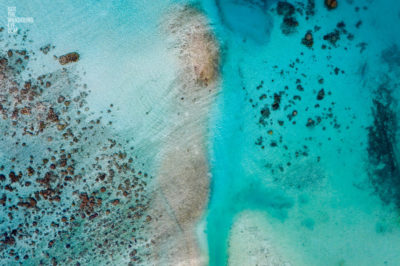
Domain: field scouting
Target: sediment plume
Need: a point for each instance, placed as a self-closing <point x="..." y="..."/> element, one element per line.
<point x="182" y="183"/>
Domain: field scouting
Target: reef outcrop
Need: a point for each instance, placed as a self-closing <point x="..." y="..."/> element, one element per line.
<point x="69" y="58"/>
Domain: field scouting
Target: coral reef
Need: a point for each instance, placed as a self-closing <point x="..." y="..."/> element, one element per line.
<point x="71" y="190"/>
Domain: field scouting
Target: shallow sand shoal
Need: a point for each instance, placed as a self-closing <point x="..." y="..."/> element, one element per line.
<point x="182" y="184"/>
<point x="251" y="242"/>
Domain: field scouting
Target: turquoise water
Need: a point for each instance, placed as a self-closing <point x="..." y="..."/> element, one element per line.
<point x="311" y="182"/>
<point x="307" y="137"/>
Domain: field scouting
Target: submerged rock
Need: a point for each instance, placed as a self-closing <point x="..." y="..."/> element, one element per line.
<point x="321" y="94"/>
<point x="68" y="58"/>
<point x="331" y="4"/>
<point x="289" y="22"/>
<point x="308" y="39"/>
<point x="332" y="37"/>
<point x="289" y="25"/>
<point x="285" y="9"/>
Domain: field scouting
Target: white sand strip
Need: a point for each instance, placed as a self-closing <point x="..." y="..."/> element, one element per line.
<point x="182" y="188"/>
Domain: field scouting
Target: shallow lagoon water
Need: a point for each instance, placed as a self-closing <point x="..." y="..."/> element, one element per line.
<point x="287" y="194"/>
<point x="320" y="210"/>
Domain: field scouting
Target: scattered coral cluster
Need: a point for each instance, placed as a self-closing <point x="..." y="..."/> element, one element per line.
<point x="72" y="191"/>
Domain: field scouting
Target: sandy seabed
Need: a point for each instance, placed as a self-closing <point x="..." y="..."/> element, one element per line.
<point x="182" y="184"/>
<point x="251" y="243"/>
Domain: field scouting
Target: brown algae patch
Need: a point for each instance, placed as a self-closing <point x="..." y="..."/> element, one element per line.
<point x="182" y="183"/>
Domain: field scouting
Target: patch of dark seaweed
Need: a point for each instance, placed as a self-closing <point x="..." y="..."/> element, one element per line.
<point x="391" y="56"/>
<point x="385" y="173"/>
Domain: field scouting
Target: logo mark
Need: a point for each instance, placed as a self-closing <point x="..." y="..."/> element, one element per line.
<point x="13" y="20"/>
